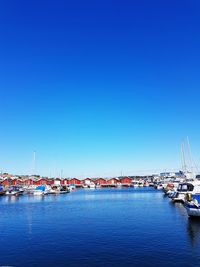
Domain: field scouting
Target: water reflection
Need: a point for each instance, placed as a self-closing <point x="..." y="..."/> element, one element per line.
<point x="127" y="224"/>
<point x="191" y="226"/>
<point x="29" y="220"/>
<point x="192" y="223"/>
<point x="193" y="229"/>
<point x="179" y="207"/>
<point x="11" y="199"/>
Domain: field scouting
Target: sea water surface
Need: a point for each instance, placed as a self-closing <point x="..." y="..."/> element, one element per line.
<point x="102" y="227"/>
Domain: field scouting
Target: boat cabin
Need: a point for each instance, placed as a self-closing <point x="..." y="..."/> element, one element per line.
<point x="185" y="187"/>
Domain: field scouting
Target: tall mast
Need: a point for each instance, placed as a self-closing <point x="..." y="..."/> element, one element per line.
<point x="190" y="154"/>
<point x="192" y="162"/>
<point x="183" y="157"/>
<point x="61" y="174"/>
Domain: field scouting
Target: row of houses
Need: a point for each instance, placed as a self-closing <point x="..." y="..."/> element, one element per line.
<point x="7" y="181"/>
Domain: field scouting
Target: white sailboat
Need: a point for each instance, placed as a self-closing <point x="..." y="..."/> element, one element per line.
<point x="188" y="172"/>
<point x="191" y="184"/>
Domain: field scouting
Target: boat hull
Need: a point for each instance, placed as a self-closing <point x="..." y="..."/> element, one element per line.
<point x="179" y="197"/>
<point x="11" y="193"/>
<point x="64" y="192"/>
<point x="38" y="193"/>
<point x="2" y="193"/>
<point x="193" y="210"/>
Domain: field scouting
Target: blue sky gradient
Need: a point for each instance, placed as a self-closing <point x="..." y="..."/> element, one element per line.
<point x="98" y="87"/>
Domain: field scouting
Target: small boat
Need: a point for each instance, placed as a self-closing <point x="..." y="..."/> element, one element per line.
<point x="2" y="191"/>
<point x="158" y="185"/>
<point x="171" y="193"/>
<point x="64" y="190"/>
<point x="140" y="184"/>
<point x="192" y="205"/>
<point x="192" y="187"/>
<point x="72" y="187"/>
<point x="39" y="191"/>
<point x="14" y="191"/>
<point x="151" y="184"/>
<point x="92" y="186"/>
<point x="135" y="184"/>
<point x="168" y="189"/>
<point x="171" y="189"/>
<point x="54" y="190"/>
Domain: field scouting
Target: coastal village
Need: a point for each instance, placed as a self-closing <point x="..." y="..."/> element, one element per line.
<point x="8" y="180"/>
<point x="180" y="186"/>
<point x="35" y="180"/>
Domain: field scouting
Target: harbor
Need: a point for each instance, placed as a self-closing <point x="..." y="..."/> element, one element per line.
<point x="47" y="185"/>
<point x="147" y="220"/>
<point x="178" y="187"/>
<point x="99" y="141"/>
<point x="93" y="227"/>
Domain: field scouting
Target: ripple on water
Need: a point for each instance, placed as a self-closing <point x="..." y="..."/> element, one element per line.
<point x="106" y="227"/>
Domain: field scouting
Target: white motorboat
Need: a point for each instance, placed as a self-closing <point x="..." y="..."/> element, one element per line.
<point x="64" y="190"/>
<point x="14" y="191"/>
<point x="192" y="187"/>
<point x="159" y="187"/>
<point x="38" y="191"/>
<point x="140" y="184"/>
<point x="11" y="193"/>
<point x="146" y="184"/>
<point x="71" y="188"/>
<point x="54" y="190"/>
<point x="192" y="205"/>
<point x="135" y="184"/>
<point x="92" y="186"/>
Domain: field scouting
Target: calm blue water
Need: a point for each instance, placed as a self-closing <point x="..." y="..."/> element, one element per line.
<point x="105" y="227"/>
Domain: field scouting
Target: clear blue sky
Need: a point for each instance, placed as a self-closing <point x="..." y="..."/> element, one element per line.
<point x="96" y="87"/>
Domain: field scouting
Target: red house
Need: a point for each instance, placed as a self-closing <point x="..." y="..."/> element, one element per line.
<point x="113" y="182"/>
<point x="64" y="181"/>
<point x="49" y="181"/>
<point x="100" y="181"/>
<point x="75" y="181"/>
<point x="6" y="182"/>
<point x="15" y="182"/>
<point x="20" y="182"/>
<point x="41" y="181"/>
<point x="28" y="181"/>
<point x="36" y="182"/>
<point x="126" y="180"/>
